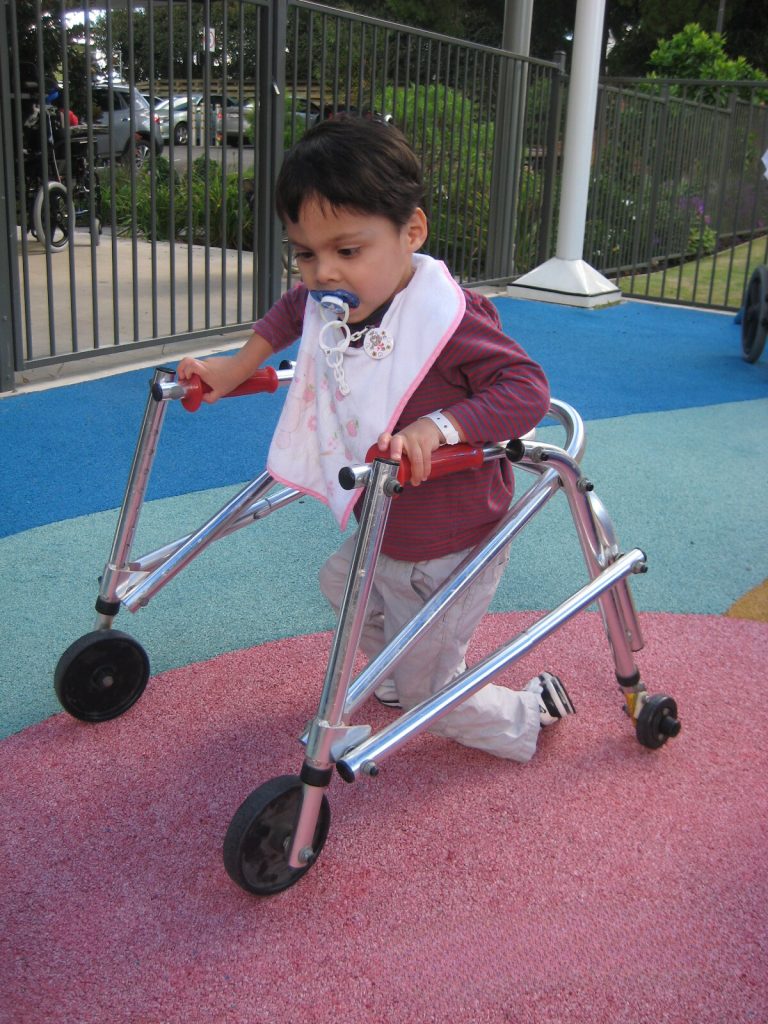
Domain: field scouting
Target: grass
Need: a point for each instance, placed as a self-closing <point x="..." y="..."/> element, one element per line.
<point x="717" y="280"/>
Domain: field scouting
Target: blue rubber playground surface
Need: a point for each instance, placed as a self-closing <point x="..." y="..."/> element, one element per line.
<point x="677" y="432"/>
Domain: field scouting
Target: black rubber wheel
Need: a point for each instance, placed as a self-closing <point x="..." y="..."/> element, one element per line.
<point x="258" y="839"/>
<point x="181" y="134"/>
<point x="57" y="211"/>
<point x="754" y="317"/>
<point x="657" y="722"/>
<point x="101" y="675"/>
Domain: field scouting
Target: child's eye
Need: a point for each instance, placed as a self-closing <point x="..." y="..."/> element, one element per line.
<point x="350" y="252"/>
<point x="301" y="256"/>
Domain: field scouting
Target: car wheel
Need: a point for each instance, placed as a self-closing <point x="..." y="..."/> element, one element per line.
<point x="181" y="134"/>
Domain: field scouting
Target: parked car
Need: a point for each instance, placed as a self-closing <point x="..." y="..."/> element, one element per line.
<point x="231" y="117"/>
<point x="304" y="109"/>
<point x="184" y="115"/>
<point x="126" y="105"/>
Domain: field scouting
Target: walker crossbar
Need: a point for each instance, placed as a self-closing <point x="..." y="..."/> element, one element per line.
<point x="279" y="830"/>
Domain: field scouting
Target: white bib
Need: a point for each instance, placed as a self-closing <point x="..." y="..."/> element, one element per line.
<point x="320" y="429"/>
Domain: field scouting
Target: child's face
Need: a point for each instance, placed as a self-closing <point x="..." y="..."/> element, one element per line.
<point x="362" y="253"/>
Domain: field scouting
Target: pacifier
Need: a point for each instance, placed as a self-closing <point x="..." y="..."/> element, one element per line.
<point x="338" y="302"/>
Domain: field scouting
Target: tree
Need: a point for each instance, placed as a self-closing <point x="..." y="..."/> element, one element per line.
<point x="30" y="30"/>
<point x="233" y="26"/>
<point x="694" y="53"/>
<point x="635" y="28"/>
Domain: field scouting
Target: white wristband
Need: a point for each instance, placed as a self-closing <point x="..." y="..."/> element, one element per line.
<point x="444" y="425"/>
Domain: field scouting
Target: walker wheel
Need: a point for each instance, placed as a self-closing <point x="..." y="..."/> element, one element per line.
<point x="754" y="320"/>
<point x="259" y="837"/>
<point x="101" y="675"/>
<point x="657" y="722"/>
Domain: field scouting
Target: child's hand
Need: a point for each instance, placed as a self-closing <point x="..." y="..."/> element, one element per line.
<point x="418" y="441"/>
<point x="220" y="374"/>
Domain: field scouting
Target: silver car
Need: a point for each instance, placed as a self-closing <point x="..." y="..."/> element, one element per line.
<point x="232" y="119"/>
<point x="115" y="107"/>
<point x="184" y="115"/>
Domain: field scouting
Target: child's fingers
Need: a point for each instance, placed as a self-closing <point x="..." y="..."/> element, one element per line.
<point x="188" y="367"/>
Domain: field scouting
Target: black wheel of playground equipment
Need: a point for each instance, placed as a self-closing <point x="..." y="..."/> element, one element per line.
<point x="258" y="839"/>
<point x="754" y="319"/>
<point x="101" y="675"/>
<point x="657" y="722"/>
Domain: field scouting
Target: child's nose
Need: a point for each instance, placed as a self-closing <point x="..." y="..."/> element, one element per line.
<point x="327" y="270"/>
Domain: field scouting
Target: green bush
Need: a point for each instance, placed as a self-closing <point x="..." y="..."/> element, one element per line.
<point x="207" y="206"/>
<point x="456" y="149"/>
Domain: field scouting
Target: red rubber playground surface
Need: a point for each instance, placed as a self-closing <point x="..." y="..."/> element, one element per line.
<point x="602" y="883"/>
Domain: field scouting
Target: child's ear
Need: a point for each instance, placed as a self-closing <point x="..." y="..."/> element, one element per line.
<point x="417" y="229"/>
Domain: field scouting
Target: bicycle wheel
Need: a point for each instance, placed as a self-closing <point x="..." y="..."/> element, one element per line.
<point x="52" y="216"/>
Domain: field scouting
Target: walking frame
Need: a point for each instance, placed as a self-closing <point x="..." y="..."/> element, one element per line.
<point x="278" y="832"/>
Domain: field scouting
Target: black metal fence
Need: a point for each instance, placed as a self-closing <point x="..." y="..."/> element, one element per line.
<point x="169" y="241"/>
<point x="678" y="205"/>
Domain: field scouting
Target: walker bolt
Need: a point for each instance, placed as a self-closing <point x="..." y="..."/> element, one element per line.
<point x="306" y="854"/>
<point x="370" y="768"/>
<point x="585" y="485"/>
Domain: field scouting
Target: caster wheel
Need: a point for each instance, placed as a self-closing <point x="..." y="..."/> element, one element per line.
<point x="754" y="320"/>
<point x="101" y="675"/>
<point x="657" y="722"/>
<point x="258" y="839"/>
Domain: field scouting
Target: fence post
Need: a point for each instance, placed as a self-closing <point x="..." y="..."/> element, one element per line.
<point x="508" y="140"/>
<point x="269" y="154"/>
<point x="657" y="173"/>
<point x="554" y="117"/>
<point x="10" y="313"/>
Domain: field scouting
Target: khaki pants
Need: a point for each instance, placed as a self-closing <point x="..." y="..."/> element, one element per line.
<point x="496" y="719"/>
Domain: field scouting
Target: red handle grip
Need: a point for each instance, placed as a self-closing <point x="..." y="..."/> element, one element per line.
<point x="264" y="379"/>
<point x="454" y="458"/>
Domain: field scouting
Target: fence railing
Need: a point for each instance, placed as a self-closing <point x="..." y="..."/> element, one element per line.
<point x="446" y="96"/>
<point x="678" y="205"/>
<point x="182" y="245"/>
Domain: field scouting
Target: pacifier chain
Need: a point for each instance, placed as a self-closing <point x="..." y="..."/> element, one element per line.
<point x="334" y="309"/>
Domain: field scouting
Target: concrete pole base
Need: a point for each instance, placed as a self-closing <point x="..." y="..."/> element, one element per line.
<point x="568" y="282"/>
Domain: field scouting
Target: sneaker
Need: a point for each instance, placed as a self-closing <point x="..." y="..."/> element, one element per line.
<point x="386" y="694"/>
<point x="554" y="702"/>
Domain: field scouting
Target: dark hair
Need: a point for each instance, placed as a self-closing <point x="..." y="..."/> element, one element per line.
<point x="355" y="163"/>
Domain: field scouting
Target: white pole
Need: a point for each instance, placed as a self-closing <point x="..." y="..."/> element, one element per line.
<point x="580" y="127"/>
<point x="567" y="278"/>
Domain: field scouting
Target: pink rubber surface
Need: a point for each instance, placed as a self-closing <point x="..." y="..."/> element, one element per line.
<point x="602" y="883"/>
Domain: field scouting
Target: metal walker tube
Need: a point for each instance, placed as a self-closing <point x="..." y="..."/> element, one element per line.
<point x="329" y="723"/>
<point x="135" y="492"/>
<point x="591" y="545"/>
<point x="197" y="542"/>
